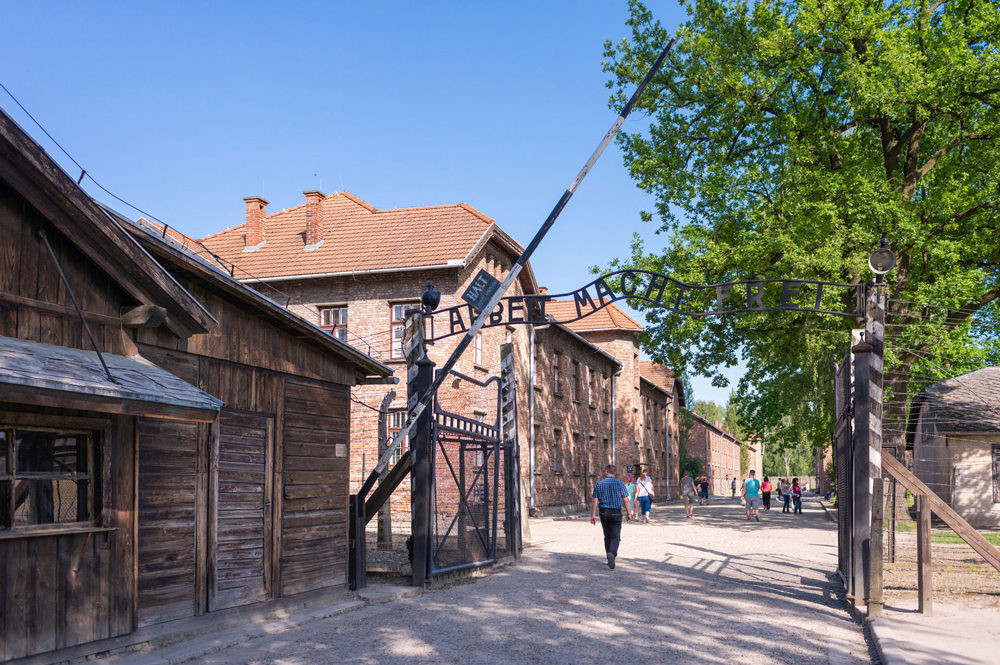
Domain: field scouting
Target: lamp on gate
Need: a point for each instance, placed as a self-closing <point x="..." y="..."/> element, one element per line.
<point x="430" y="299"/>
<point x="882" y="260"/>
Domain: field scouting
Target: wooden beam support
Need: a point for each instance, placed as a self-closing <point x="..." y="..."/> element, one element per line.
<point x="975" y="539"/>
<point x="385" y="488"/>
<point x="144" y="316"/>
<point x="925" y="588"/>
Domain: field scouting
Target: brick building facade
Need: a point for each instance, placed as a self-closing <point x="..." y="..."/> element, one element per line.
<point x="570" y="418"/>
<point x="646" y="397"/>
<point x="719" y="452"/>
<point x="363" y="269"/>
<point x="353" y="269"/>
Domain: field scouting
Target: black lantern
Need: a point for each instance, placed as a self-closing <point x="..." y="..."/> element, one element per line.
<point x="430" y="299"/>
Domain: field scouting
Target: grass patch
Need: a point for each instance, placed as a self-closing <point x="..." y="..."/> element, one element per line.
<point x="993" y="538"/>
<point x="947" y="537"/>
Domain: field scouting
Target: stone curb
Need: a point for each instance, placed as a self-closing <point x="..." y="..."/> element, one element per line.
<point x="890" y="652"/>
<point x="830" y="511"/>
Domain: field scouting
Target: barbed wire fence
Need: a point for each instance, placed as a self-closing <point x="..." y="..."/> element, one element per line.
<point x="926" y="344"/>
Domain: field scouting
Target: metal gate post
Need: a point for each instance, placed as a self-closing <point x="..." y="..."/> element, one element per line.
<point x="861" y="504"/>
<point x="419" y="377"/>
<point x="512" y="453"/>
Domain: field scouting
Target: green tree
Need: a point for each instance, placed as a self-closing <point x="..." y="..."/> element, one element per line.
<point x="784" y="139"/>
<point x="710" y="411"/>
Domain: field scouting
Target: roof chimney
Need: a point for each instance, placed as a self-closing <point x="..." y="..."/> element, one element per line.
<point x="314" y="218"/>
<point x="543" y="290"/>
<point x="256" y="212"/>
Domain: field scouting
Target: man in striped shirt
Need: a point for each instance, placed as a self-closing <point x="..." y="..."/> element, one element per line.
<point x="610" y="496"/>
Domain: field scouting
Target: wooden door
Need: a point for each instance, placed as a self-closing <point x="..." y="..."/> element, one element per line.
<point x="243" y="492"/>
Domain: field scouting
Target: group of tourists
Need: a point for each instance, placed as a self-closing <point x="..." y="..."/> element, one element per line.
<point x="612" y="497"/>
<point x="640" y="495"/>
<point x="756" y="493"/>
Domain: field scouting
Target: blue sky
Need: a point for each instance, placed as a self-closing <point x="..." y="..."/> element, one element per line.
<point x="185" y="108"/>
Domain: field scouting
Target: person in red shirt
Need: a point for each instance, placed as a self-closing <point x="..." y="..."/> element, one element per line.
<point x="765" y="490"/>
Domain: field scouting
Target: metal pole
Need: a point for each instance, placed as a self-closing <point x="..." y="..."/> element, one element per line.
<point x="425" y="398"/>
<point x="420" y="374"/>
<point x="862" y="504"/>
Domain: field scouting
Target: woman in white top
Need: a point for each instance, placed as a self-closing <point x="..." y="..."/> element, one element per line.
<point x="644" y="495"/>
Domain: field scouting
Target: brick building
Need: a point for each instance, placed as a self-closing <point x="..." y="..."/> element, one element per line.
<point x="570" y="417"/>
<point x="319" y="258"/>
<point x="646" y="397"/>
<point x="719" y="452"/>
<point x="355" y="270"/>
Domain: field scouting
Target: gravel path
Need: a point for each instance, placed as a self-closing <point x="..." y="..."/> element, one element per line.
<point x="713" y="589"/>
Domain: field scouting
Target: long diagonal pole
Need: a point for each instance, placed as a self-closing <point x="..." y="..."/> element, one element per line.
<point x="463" y="344"/>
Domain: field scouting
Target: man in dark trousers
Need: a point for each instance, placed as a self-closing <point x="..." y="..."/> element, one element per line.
<point x="610" y="496"/>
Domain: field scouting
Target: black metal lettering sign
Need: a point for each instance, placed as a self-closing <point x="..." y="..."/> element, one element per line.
<point x="480" y="290"/>
<point x="752" y="295"/>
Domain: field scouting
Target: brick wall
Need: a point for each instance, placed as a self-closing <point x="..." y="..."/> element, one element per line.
<point x="369" y="300"/>
<point x="572" y="425"/>
<point x="719" y="454"/>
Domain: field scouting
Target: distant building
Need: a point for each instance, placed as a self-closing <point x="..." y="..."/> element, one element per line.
<point x="719" y="452"/>
<point x="954" y="430"/>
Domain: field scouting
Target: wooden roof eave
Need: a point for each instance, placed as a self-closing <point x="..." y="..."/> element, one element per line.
<point x="232" y="288"/>
<point x="29" y="170"/>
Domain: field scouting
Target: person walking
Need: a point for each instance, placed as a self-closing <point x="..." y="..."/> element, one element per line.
<point x="610" y="496"/>
<point x="765" y="492"/>
<point x="687" y="491"/>
<point x="786" y="497"/>
<point x="630" y="486"/>
<point x="751" y="495"/>
<point x="732" y="486"/>
<point x="703" y="490"/>
<point x="796" y="496"/>
<point x="644" y="496"/>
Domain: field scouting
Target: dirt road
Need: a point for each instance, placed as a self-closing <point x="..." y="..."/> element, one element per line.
<point x="713" y="589"/>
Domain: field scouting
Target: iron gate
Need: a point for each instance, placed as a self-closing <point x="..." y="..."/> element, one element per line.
<point x="843" y="458"/>
<point x="471" y="486"/>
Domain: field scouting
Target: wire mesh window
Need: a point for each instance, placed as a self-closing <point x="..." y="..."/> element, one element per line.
<point x="334" y="319"/>
<point x="46" y="477"/>
<point x="398" y="326"/>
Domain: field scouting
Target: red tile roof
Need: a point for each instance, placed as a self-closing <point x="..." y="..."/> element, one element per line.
<point x="608" y="318"/>
<point x="360" y="238"/>
<point x="659" y="375"/>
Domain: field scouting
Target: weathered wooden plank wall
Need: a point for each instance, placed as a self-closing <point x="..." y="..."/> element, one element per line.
<point x="63" y="590"/>
<point x="34" y="304"/>
<point x="314" y="479"/>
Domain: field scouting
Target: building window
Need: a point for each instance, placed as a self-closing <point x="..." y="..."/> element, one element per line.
<point x="396" y="419"/>
<point x="334" y="319"/>
<point x="46" y="477"/>
<point x="477" y="349"/>
<point x="538" y="365"/>
<point x="576" y="381"/>
<point x="557" y="372"/>
<point x="996" y="472"/>
<point x="398" y="327"/>
<point x="605" y="384"/>
<point x="556" y="452"/>
<point x="577" y="453"/>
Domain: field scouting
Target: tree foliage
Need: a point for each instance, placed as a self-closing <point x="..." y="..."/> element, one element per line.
<point x="784" y="139"/>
